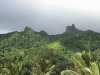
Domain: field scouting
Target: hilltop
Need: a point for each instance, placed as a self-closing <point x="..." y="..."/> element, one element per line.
<point x="36" y="53"/>
<point x="72" y="38"/>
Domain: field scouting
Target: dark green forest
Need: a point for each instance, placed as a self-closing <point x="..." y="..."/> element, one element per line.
<point x="74" y="52"/>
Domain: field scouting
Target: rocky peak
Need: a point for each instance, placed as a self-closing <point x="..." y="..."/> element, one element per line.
<point x="70" y="28"/>
<point x="28" y="30"/>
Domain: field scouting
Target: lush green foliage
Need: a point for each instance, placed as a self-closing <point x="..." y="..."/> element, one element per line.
<point x="87" y="40"/>
<point x="74" y="52"/>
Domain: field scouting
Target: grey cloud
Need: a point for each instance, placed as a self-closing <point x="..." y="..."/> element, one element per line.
<point x="15" y="17"/>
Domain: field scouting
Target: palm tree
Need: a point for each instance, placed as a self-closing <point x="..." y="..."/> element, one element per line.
<point x="43" y="67"/>
<point x="82" y="65"/>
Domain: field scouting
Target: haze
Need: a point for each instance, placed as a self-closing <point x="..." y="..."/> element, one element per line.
<point x="50" y="15"/>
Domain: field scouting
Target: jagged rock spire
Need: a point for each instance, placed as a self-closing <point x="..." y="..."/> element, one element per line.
<point x="70" y="28"/>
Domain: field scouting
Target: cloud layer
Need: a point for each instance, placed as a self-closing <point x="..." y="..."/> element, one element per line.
<point x="50" y="15"/>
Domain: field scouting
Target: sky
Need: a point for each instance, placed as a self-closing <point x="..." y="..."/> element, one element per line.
<point x="52" y="16"/>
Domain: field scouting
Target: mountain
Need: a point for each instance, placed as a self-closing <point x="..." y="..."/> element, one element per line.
<point x="70" y="31"/>
<point x="4" y="36"/>
<point x="87" y="40"/>
<point x="71" y="38"/>
<point x="43" y="33"/>
<point x="36" y="53"/>
<point x="23" y="40"/>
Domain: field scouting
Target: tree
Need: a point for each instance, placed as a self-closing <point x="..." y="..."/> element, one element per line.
<point x="81" y="67"/>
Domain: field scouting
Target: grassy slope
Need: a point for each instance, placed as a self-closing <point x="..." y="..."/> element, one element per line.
<point x="55" y="45"/>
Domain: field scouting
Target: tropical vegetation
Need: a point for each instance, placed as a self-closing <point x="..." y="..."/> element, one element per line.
<point x="74" y="52"/>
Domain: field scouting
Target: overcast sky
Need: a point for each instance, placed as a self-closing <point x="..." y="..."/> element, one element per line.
<point x="50" y="15"/>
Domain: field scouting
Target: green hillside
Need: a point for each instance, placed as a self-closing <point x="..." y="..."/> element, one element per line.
<point x="74" y="52"/>
<point x="88" y="40"/>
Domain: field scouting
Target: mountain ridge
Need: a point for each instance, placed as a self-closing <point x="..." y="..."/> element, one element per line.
<point x="29" y="38"/>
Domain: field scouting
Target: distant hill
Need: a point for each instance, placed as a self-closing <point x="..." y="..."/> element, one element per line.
<point x="36" y="53"/>
<point x="4" y="36"/>
<point x="22" y="40"/>
<point x="87" y="40"/>
<point x="70" y="31"/>
<point x="72" y="39"/>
